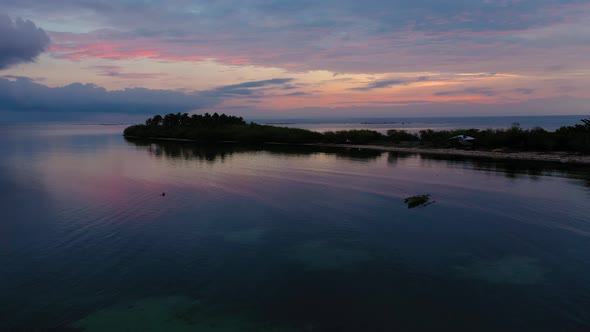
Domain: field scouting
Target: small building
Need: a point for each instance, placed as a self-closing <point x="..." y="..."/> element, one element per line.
<point x="463" y="140"/>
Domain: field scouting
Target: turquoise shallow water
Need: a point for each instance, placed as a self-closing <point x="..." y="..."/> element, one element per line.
<point x="278" y="238"/>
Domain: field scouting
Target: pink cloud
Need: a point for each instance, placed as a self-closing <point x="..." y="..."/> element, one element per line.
<point x="87" y="46"/>
<point x="112" y="50"/>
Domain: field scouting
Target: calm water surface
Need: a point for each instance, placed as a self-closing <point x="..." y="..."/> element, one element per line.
<point x="415" y="125"/>
<point x="279" y="238"/>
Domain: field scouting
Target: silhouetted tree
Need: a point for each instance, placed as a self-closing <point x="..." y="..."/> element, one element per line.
<point x="216" y="127"/>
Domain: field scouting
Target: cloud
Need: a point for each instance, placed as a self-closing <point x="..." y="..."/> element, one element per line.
<point x="447" y="45"/>
<point x="289" y="87"/>
<point x="566" y="88"/>
<point x="525" y="91"/>
<point x="247" y="88"/>
<point x="339" y="35"/>
<point x="380" y="85"/>
<point x="540" y="106"/>
<point x="117" y="71"/>
<point x="297" y="94"/>
<point x="258" y="84"/>
<point x="428" y="15"/>
<point x="482" y="91"/>
<point x="23" y="94"/>
<point x="20" y="41"/>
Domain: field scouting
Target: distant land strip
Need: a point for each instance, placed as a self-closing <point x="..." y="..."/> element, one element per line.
<point x="567" y="144"/>
<point x="559" y="157"/>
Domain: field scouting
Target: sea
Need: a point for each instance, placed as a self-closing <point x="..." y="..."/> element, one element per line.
<point x="416" y="124"/>
<point x="103" y="233"/>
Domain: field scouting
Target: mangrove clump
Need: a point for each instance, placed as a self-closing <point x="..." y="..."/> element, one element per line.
<point x="420" y="200"/>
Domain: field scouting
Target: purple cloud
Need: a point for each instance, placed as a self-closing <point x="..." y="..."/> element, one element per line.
<point x="119" y="72"/>
<point x="20" y="41"/>
<point x="23" y="94"/>
<point x="380" y="85"/>
<point x="480" y="91"/>
<point x="297" y="94"/>
<point x="338" y="35"/>
<point x="248" y="88"/>
<point x="525" y="91"/>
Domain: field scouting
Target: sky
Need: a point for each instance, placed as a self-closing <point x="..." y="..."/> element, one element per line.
<point x="120" y="60"/>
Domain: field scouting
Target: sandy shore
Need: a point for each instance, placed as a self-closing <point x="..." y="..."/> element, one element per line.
<point x="560" y="157"/>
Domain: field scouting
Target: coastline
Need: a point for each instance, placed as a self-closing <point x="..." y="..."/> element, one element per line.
<point x="560" y="157"/>
<point x="557" y="157"/>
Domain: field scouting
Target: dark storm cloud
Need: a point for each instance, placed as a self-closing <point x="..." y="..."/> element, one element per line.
<point x="20" y="41"/>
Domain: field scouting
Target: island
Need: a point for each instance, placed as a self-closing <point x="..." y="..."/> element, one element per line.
<point x="566" y="144"/>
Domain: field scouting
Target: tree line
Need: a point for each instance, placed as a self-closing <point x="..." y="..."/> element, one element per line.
<point x="216" y="127"/>
<point x="195" y="120"/>
<point x="566" y="138"/>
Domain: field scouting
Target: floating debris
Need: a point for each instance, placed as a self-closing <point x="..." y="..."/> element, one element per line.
<point x="421" y="200"/>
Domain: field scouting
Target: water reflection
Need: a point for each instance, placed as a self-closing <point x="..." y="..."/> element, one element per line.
<point x="220" y="151"/>
<point x="513" y="169"/>
<point x="278" y="237"/>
